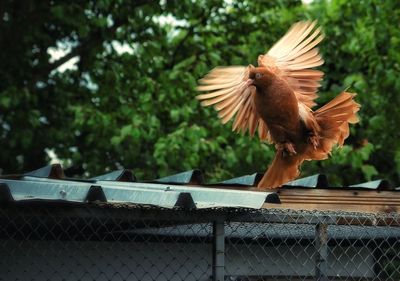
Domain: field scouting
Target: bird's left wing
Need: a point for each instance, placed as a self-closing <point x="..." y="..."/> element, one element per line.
<point x="231" y="95"/>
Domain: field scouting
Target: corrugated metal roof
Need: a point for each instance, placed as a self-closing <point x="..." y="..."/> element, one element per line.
<point x="49" y="183"/>
<point x="186" y="190"/>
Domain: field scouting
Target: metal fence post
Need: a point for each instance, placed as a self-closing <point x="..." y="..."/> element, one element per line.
<point x="321" y="243"/>
<point x="218" y="270"/>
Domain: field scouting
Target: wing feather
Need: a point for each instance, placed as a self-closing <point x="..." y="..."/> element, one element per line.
<point x="233" y="98"/>
<point x="215" y="94"/>
<point x="242" y="114"/>
<point x="293" y="58"/>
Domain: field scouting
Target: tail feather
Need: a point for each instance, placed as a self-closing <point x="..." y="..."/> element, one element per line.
<point x="339" y="111"/>
<point x="342" y="100"/>
<point x="283" y="169"/>
<point x="333" y="120"/>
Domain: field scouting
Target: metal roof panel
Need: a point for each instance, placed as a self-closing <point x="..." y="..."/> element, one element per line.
<point x="118" y="175"/>
<point x="30" y="189"/>
<point x="246" y="180"/>
<point x="207" y="197"/>
<point x="53" y="171"/>
<point x="188" y="177"/>
<point x="376" y="184"/>
<point x="314" y="181"/>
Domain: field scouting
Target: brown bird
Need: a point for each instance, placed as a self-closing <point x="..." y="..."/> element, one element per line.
<point x="276" y="98"/>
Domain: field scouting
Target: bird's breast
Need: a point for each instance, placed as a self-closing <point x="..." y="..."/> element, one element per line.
<point x="277" y="105"/>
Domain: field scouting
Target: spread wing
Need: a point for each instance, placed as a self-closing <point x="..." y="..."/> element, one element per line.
<point x="229" y="93"/>
<point x="292" y="58"/>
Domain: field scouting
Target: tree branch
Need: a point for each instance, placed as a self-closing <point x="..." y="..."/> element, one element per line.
<point x="75" y="52"/>
<point x="189" y="33"/>
<point x="91" y="41"/>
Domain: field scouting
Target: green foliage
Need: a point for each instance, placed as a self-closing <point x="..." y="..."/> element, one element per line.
<point x="130" y="99"/>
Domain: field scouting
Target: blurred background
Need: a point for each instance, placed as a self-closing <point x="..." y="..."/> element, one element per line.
<point x="100" y="85"/>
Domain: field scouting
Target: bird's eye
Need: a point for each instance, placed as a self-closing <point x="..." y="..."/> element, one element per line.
<point x="258" y="75"/>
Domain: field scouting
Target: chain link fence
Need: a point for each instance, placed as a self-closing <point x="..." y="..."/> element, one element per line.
<point x="124" y="242"/>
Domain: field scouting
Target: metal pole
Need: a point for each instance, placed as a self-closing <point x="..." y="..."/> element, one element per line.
<point x="218" y="251"/>
<point x="321" y="243"/>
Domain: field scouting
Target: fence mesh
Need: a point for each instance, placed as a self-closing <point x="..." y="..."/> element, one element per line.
<point x="92" y="242"/>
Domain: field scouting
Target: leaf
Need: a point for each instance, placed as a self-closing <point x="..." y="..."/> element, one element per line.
<point x="369" y="171"/>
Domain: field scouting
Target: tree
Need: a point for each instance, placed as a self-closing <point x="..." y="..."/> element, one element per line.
<point x="130" y="99"/>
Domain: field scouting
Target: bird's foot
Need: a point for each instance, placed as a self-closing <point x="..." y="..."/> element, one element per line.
<point x="287" y="148"/>
<point x="314" y="140"/>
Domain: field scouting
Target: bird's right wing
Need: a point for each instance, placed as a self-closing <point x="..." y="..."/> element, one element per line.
<point x="293" y="58"/>
<point x="230" y="94"/>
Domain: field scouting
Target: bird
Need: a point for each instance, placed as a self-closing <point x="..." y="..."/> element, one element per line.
<point x="276" y="100"/>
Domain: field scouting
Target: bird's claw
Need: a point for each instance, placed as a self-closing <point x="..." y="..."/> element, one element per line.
<point x="287" y="148"/>
<point x="314" y="140"/>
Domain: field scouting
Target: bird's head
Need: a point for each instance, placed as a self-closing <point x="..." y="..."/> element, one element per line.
<point x="258" y="76"/>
